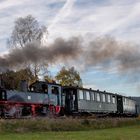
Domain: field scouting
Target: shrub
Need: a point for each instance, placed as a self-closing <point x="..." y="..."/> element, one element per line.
<point x="65" y="124"/>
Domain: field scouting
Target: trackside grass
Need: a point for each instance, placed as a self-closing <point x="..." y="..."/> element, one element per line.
<point x="123" y="133"/>
<point x="65" y="124"/>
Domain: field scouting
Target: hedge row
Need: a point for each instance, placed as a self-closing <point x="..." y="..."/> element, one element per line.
<point x="65" y="124"/>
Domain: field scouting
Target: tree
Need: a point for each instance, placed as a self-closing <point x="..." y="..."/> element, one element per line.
<point x="11" y="79"/>
<point x="48" y="78"/>
<point x="27" y="30"/>
<point x="69" y="77"/>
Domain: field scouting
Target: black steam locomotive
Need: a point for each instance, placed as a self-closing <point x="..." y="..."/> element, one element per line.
<point x="51" y="99"/>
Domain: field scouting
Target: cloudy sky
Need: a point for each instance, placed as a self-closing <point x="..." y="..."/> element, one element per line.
<point x="66" y="18"/>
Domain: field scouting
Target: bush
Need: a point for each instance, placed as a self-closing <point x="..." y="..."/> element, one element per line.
<point x="65" y="124"/>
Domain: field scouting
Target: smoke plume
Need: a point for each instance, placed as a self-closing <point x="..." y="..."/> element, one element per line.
<point x="108" y="53"/>
<point x="104" y="52"/>
<point x="59" y="51"/>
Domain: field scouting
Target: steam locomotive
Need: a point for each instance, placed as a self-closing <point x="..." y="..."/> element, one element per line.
<point x="51" y="99"/>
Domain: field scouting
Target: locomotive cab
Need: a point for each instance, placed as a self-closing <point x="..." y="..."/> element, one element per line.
<point x="51" y="94"/>
<point x="51" y="90"/>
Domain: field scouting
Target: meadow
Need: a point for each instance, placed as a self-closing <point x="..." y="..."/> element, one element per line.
<point x="123" y="133"/>
<point x="70" y="129"/>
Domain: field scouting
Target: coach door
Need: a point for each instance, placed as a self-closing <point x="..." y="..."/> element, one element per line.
<point x="71" y="100"/>
<point x="119" y="104"/>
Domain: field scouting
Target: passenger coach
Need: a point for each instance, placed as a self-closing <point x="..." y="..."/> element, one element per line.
<point x="82" y="100"/>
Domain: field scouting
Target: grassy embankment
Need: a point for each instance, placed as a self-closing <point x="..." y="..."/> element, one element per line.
<point x="70" y="129"/>
<point x="65" y="124"/>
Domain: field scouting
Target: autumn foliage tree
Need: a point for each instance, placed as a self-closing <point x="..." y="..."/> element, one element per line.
<point x="68" y="77"/>
<point x="11" y="79"/>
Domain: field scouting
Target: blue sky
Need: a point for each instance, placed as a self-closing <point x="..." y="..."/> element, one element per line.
<point x="66" y="18"/>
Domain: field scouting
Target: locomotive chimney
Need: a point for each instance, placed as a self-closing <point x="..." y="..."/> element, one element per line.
<point x="23" y="85"/>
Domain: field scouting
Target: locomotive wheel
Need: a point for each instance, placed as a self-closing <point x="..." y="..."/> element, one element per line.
<point x="12" y="111"/>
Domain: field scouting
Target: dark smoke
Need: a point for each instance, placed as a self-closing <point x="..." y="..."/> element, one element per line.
<point x="60" y="50"/>
<point x="104" y="52"/>
<point x="108" y="53"/>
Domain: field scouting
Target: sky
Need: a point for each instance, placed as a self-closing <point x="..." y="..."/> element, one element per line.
<point x="65" y="18"/>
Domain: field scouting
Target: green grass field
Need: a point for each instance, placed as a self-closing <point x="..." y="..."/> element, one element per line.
<point x="123" y="133"/>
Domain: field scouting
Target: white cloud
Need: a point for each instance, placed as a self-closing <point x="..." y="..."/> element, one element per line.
<point x="9" y="3"/>
<point x="114" y="19"/>
<point x="64" y="12"/>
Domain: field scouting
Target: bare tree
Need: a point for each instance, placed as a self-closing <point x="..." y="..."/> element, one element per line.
<point x="27" y="30"/>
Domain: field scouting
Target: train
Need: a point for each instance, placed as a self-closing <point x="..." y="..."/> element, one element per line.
<point x="43" y="99"/>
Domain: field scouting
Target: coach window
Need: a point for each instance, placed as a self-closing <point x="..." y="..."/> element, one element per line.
<point x="103" y="97"/>
<point x="87" y="95"/>
<point x="128" y="101"/>
<point x="108" y="98"/>
<point x="125" y="101"/>
<point x="81" y="94"/>
<point x="98" y="97"/>
<point x="92" y="96"/>
<point x="113" y="99"/>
